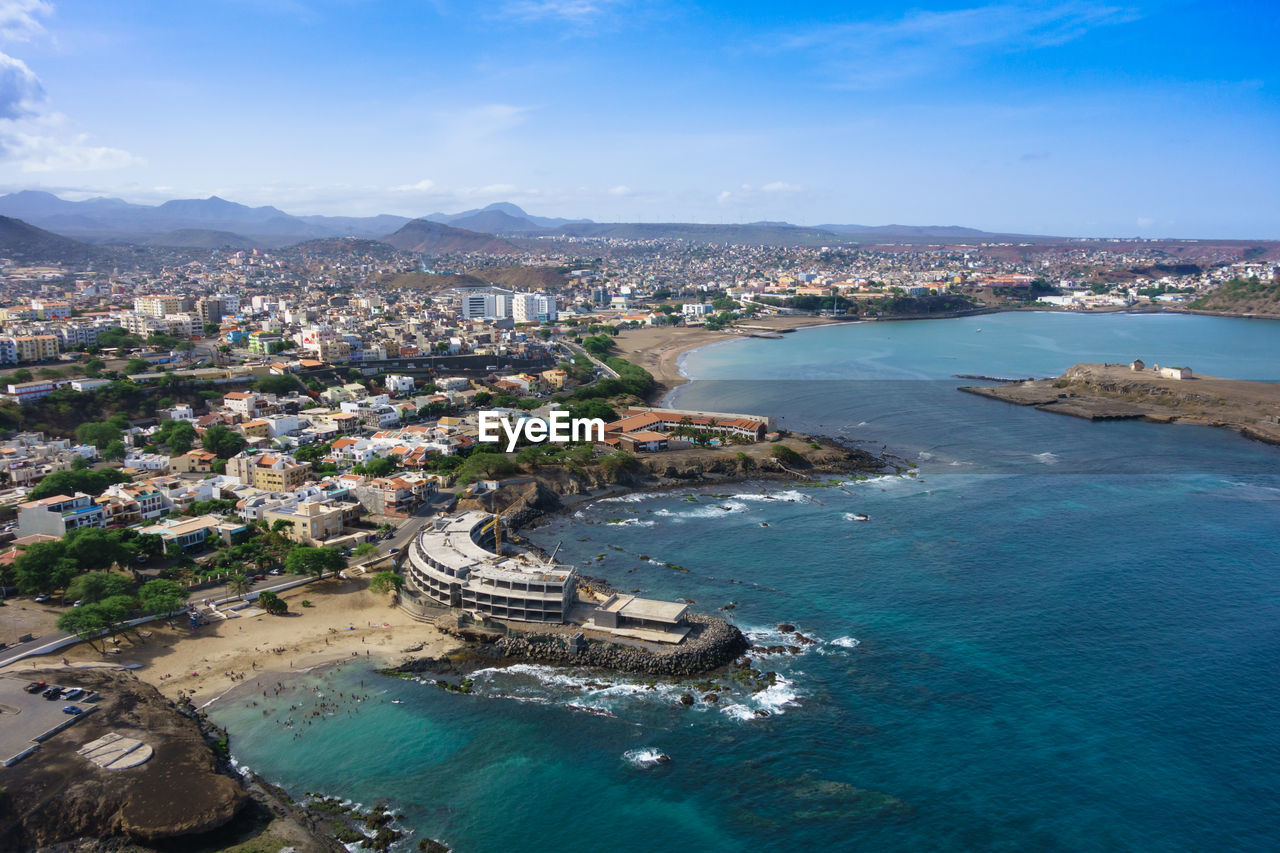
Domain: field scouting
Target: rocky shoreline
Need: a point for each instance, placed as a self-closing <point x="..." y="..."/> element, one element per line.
<point x="551" y="489"/>
<point x="713" y="644"/>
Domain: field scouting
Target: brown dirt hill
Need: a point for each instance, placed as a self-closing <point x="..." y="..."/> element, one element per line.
<point x="1258" y="299"/>
<point x="429" y="281"/>
<point x="422" y="235"/>
<point x="523" y="278"/>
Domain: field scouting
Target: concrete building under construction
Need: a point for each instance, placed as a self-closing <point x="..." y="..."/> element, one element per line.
<point x="448" y="563"/>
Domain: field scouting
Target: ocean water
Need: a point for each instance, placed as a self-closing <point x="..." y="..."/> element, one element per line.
<point x="1048" y="635"/>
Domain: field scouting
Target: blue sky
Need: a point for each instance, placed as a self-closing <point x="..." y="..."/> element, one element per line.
<point x="1074" y="118"/>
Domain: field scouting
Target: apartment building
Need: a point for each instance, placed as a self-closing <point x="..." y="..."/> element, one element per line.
<point x="54" y="516"/>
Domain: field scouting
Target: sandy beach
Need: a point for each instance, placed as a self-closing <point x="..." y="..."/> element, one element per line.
<point x="345" y="621"/>
<point x="658" y="348"/>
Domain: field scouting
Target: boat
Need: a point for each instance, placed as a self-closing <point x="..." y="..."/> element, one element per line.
<point x="861" y="516"/>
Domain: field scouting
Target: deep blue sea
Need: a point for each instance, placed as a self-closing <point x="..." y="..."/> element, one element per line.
<point x="1048" y="635"/>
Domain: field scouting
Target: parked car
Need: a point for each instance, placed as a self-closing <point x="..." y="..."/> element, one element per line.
<point x="36" y="686"/>
<point x="275" y="572"/>
<point x="74" y="693"/>
<point x="52" y="693"/>
<point x="259" y="577"/>
<point x="394" y="551"/>
<point x="78" y="604"/>
<point x="42" y="598"/>
<point x="71" y="709"/>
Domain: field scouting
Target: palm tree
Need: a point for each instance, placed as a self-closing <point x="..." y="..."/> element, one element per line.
<point x="238" y="584"/>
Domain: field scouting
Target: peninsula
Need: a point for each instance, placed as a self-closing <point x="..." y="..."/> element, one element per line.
<point x="1155" y="394"/>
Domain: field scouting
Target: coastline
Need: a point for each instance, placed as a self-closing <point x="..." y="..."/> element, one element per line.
<point x="659" y="349"/>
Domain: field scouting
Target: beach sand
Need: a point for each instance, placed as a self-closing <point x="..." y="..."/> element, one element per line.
<point x="658" y="348"/>
<point x="346" y="621"/>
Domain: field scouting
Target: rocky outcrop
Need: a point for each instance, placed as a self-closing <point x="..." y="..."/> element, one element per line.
<point x="1115" y="391"/>
<point x="712" y="644"/>
<point x="55" y="796"/>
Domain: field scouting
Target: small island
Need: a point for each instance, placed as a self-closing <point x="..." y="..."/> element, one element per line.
<point x="1156" y="394"/>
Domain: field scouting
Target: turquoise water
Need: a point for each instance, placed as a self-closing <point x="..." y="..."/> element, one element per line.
<point x="1056" y="635"/>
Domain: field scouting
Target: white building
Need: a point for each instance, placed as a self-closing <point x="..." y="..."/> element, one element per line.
<point x="399" y="384"/>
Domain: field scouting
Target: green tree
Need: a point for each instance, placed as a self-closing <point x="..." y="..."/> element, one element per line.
<point x="97" y="433"/>
<point x="177" y="436"/>
<point x="137" y="365"/>
<point x="272" y="603"/>
<point x="593" y="409"/>
<point x="93" y="367"/>
<point x="305" y="560"/>
<point x="482" y="465"/>
<point x="92" y="483"/>
<point x="380" y="466"/>
<point x="93" y="587"/>
<point x="211" y="330"/>
<point x="21" y="375"/>
<point x="364" y="549"/>
<point x="223" y="441"/>
<point x="238" y="584"/>
<point x="384" y="582"/>
<point x="162" y="596"/>
<point x="784" y="454"/>
<point x="44" y="567"/>
<point x="279" y="385"/>
<point x="85" y="622"/>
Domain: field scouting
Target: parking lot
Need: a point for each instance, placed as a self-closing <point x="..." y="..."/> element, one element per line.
<point x="26" y="717"/>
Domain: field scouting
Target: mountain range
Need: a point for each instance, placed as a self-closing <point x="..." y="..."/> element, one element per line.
<point x="214" y="222"/>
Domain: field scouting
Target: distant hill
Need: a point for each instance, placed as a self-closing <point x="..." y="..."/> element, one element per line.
<point x="523" y="278"/>
<point x="27" y="244"/>
<point x="422" y="235"/>
<point x="498" y="222"/>
<point x="111" y="219"/>
<point x="504" y="207"/>
<point x="341" y="247"/>
<point x="203" y="238"/>
<point x="114" y="220"/>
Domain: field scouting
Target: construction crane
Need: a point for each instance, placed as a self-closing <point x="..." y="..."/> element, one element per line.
<point x="496" y="525"/>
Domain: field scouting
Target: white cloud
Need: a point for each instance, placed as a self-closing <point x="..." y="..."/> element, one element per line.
<point x="876" y="53"/>
<point x="20" y="89"/>
<point x="32" y="138"/>
<point x="18" y="19"/>
<point x="422" y="186"/>
<point x="36" y="153"/>
<point x="781" y="187"/>
<point x="724" y="197"/>
<point x="620" y="190"/>
<point x="575" y="11"/>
